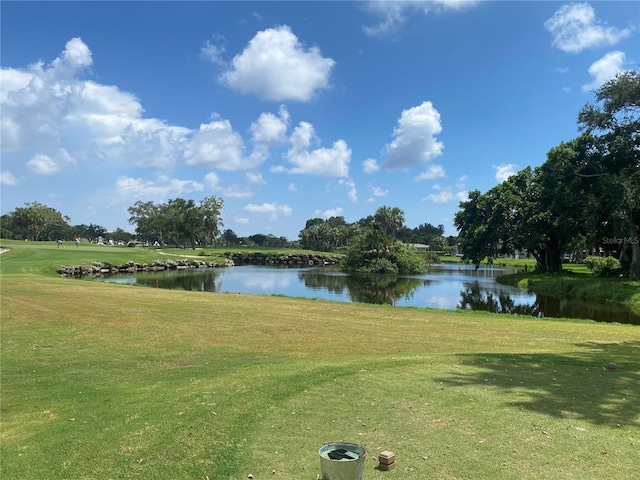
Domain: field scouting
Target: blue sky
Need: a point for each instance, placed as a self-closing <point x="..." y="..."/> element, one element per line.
<point x="293" y="110"/>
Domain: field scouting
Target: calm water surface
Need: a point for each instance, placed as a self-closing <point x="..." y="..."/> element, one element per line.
<point x="448" y="287"/>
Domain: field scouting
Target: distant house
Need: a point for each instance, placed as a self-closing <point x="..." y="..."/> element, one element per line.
<point x="420" y="247"/>
<point x="519" y="254"/>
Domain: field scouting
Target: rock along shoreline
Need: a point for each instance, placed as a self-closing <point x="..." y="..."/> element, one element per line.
<point x="100" y="269"/>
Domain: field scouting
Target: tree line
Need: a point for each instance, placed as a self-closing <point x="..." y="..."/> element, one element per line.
<point x="36" y="221"/>
<point x="181" y="222"/>
<point x="585" y="198"/>
<point x="176" y="222"/>
<point x="335" y="233"/>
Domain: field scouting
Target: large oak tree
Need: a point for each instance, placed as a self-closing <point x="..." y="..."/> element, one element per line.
<point x="613" y="123"/>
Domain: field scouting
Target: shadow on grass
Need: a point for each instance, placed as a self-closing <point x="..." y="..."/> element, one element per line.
<point x="579" y="385"/>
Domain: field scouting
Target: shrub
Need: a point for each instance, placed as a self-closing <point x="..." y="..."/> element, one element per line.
<point x="431" y="257"/>
<point x="378" y="265"/>
<point x="603" y="266"/>
<point x="371" y="252"/>
<point x="407" y="260"/>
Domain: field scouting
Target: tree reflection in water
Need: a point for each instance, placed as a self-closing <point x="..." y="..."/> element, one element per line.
<point x="476" y="298"/>
<point x="365" y="288"/>
<point x="182" y="280"/>
<point x="458" y="287"/>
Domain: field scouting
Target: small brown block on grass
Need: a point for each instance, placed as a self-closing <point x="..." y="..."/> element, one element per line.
<point x="386" y="457"/>
<point x="386" y="467"/>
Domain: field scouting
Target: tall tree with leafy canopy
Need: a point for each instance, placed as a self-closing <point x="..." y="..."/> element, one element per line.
<point x="391" y="219"/>
<point x="478" y="238"/>
<point x="614" y="124"/>
<point x="179" y="221"/>
<point x="187" y="223"/>
<point x="91" y="232"/>
<point x="34" y="218"/>
<point x="326" y="235"/>
<point x="229" y="237"/>
<point x="532" y="210"/>
<point x="211" y="210"/>
<point x="310" y="235"/>
<point x="149" y="221"/>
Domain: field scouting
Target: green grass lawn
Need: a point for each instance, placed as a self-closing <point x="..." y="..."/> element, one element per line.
<point x="102" y="381"/>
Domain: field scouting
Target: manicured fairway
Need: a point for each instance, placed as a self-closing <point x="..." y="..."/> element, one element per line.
<point x="102" y="381"/>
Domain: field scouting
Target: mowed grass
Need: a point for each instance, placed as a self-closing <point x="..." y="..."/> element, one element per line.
<point x="102" y="381"/>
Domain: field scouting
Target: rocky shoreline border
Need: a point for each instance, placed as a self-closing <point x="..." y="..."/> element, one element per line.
<point x="100" y="269"/>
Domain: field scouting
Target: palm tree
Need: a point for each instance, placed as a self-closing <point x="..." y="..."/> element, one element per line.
<point x="391" y="219"/>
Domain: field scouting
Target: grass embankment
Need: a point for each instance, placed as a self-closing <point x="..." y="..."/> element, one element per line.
<point x="524" y="263"/>
<point x="576" y="282"/>
<point x="109" y="381"/>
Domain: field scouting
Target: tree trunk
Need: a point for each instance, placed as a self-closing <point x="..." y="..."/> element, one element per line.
<point x="549" y="257"/>
<point x="539" y="263"/>
<point x="634" y="268"/>
<point x="554" y="259"/>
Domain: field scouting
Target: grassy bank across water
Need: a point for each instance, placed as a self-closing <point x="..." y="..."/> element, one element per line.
<point x="112" y="381"/>
<point x="578" y="283"/>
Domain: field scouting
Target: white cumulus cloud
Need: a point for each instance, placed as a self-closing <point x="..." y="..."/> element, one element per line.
<point x="42" y="164"/>
<point x="276" y="66"/>
<point x="211" y="180"/>
<point x="217" y="145"/>
<point x="151" y="143"/>
<point x="370" y="165"/>
<point x="448" y="194"/>
<point x="574" y="28"/>
<point x="255" y="177"/>
<point x="393" y="13"/>
<point x="378" y="191"/>
<point x="321" y="162"/>
<point x="161" y="189"/>
<point x="604" y="69"/>
<point x="274" y="210"/>
<point x="13" y="80"/>
<point x="7" y="178"/>
<point x="504" y="171"/>
<point x="414" y="138"/>
<point x="76" y="56"/>
<point x="52" y="107"/>
<point x="237" y="191"/>
<point x="270" y="128"/>
<point x="332" y="212"/>
<point x="213" y="51"/>
<point x="433" y="171"/>
<point x="352" y="191"/>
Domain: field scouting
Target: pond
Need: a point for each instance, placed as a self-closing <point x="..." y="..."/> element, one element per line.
<point x="444" y="286"/>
